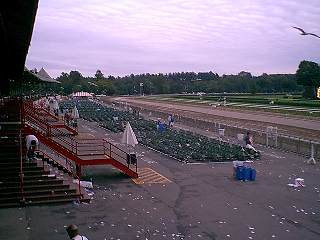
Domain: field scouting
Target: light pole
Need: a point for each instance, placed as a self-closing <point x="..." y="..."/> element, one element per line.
<point x="141" y="88"/>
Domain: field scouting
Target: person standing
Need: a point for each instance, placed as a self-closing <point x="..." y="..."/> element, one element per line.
<point x="55" y="106"/>
<point x="73" y="233"/>
<point x="171" y="121"/>
<point x="158" y="124"/>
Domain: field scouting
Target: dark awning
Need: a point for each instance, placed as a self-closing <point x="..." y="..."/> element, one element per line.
<point x="16" y="25"/>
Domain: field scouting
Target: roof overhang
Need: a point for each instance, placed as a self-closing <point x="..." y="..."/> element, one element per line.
<point x="17" y="19"/>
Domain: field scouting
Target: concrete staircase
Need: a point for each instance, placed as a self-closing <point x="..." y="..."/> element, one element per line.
<point x="21" y="182"/>
<point x="39" y="186"/>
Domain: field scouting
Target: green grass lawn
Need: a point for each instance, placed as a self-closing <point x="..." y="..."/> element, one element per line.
<point x="282" y="100"/>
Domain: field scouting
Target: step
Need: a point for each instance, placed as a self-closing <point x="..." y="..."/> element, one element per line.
<point x="27" y="188"/>
<point x="25" y="172"/>
<point x="40" y="202"/>
<point x="53" y="201"/>
<point x="10" y="155"/>
<point x="13" y="167"/>
<point x="13" y="161"/>
<point x="9" y="146"/>
<point x="16" y="170"/>
<point x="36" y="176"/>
<point x="39" y="197"/>
<point x="9" y="205"/>
<point x="15" y="199"/>
<point x="27" y="183"/>
<point x="51" y="196"/>
<point x="67" y="189"/>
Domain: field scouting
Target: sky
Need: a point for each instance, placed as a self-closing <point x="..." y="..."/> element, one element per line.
<point x="139" y="36"/>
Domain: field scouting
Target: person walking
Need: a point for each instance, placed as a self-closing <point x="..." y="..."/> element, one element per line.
<point x="73" y="233"/>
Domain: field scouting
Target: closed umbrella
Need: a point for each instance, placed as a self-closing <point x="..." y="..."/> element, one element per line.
<point x="129" y="137"/>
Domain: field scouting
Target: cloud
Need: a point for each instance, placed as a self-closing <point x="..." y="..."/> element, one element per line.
<point x="132" y="36"/>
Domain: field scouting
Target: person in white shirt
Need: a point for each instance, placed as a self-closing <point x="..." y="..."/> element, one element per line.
<point x="73" y="233"/>
<point x="31" y="143"/>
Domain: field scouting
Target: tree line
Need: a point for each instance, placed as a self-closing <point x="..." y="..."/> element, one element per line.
<point x="188" y="82"/>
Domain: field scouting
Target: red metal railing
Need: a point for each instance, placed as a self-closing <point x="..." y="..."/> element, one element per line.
<point x="99" y="151"/>
<point x="68" y="167"/>
<point x="42" y="115"/>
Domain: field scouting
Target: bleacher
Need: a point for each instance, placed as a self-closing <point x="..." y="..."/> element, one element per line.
<point x="180" y="144"/>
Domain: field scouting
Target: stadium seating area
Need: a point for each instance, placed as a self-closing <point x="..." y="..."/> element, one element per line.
<point x="180" y="144"/>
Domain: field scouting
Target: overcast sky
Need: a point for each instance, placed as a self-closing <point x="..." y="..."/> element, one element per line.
<point x="121" y="37"/>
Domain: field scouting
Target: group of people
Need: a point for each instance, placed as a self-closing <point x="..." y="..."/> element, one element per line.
<point x="161" y="125"/>
<point x="51" y="104"/>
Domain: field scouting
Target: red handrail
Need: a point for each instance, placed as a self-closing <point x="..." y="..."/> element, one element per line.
<point x="69" y="170"/>
<point x="101" y="150"/>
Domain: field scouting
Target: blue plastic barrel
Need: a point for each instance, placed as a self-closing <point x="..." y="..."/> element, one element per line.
<point x="253" y="173"/>
<point x="239" y="173"/>
<point x="246" y="173"/>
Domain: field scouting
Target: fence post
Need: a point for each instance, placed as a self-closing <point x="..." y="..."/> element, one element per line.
<point x="312" y="159"/>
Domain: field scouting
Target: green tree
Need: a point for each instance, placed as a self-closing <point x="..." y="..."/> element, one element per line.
<point x="99" y="75"/>
<point x="308" y="75"/>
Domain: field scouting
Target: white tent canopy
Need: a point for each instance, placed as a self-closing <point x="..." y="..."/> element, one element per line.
<point x="81" y="94"/>
<point x="42" y="75"/>
<point x="128" y="136"/>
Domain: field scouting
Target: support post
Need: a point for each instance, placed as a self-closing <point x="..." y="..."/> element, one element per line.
<point x="311" y="159"/>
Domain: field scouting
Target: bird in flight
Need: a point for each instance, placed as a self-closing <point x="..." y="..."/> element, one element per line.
<point x="305" y="33"/>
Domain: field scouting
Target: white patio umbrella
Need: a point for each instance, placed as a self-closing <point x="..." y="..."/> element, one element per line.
<point x="75" y="113"/>
<point x="128" y="136"/>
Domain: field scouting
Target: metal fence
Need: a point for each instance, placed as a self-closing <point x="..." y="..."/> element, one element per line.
<point x="270" y="137"/>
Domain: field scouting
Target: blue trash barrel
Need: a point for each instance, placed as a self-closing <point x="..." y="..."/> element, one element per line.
<point x="240" y="173"/>
<point x="253" y="173"/>
<point x="246" y="173"/>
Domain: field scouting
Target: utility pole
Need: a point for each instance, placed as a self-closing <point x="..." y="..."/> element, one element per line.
<point x="141" y="88"/>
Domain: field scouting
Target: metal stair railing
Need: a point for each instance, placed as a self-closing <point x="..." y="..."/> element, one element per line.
<point x="42" y="114"/>
<point x="68" y="167"/>
<point x="106" y="153"/>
